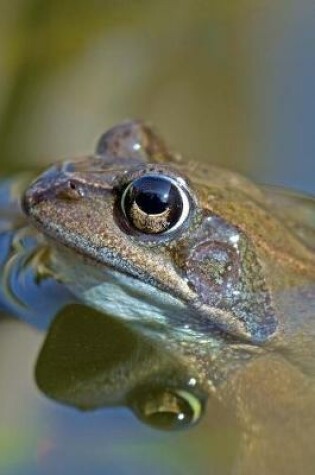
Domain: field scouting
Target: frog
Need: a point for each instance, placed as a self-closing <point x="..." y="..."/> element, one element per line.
<point x="217" y="269"/>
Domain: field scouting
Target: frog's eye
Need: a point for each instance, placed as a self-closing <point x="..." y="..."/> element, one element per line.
<point x="155" y="204"/>
<point x="167" y="409"/>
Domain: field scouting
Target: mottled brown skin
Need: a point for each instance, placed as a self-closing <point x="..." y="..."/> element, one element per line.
<point x="241" y="274"/>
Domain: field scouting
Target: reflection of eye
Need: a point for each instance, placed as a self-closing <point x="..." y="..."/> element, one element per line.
<point x="154" y="204"/>
<point x="168" y="409"/>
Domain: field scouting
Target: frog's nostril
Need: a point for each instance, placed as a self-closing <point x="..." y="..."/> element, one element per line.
<point x="53" y="183"/>
<point x="69" y="190"/>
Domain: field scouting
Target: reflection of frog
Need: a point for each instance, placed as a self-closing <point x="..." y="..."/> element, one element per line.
<point x="220" y="271"/>
<point x="90" y="361"/>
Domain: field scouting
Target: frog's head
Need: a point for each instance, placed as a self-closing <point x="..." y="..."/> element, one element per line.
<point x="136" y="233"/>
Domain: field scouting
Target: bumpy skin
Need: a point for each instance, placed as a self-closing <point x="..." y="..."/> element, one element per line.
<point x="231" y="290"/>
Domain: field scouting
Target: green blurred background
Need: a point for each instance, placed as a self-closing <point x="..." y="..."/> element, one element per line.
<point x="227" y="82"/>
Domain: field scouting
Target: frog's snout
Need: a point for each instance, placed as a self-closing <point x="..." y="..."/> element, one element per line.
<point x="56" y="182"/>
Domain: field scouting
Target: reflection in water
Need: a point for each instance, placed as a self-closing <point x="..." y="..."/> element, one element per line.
<point x="166" y="409"/>
<point x="90" y="360"/>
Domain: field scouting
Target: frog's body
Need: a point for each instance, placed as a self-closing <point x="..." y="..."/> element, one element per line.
<point x="233" y="278"/>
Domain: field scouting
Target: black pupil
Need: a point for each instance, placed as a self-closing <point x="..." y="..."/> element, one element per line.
<point x="154" y="195"/>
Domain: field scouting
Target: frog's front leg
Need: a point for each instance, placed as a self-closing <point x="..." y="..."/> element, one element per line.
<point x="28" y="288"/>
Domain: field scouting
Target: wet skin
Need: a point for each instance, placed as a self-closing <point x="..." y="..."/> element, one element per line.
<point x="217" y="269"/>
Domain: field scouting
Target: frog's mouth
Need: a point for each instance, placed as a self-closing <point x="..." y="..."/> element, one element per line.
<point x="113" y="286"/>
<point x="124" y="295"/>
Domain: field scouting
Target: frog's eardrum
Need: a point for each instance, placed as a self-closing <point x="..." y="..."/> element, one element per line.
<point x="226" y="274"/>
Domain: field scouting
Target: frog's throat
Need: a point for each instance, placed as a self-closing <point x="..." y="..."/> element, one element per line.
<point x="124" y="296"/>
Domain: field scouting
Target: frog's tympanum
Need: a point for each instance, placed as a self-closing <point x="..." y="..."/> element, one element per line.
<point x="219" y="271"/>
